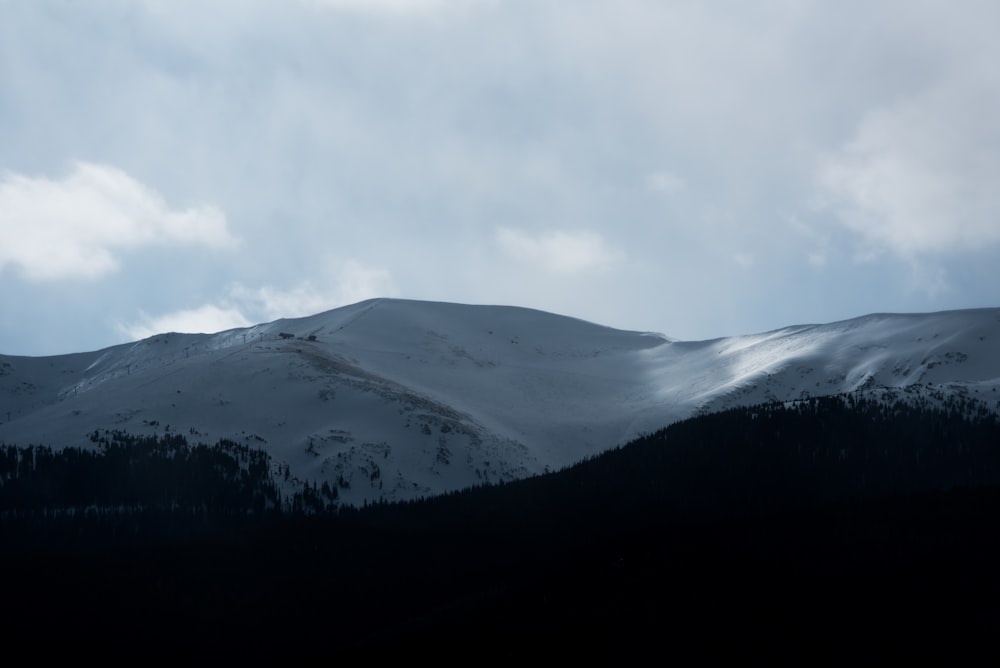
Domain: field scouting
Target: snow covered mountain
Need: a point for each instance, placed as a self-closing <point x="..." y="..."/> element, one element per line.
<point x="397" y="399"/>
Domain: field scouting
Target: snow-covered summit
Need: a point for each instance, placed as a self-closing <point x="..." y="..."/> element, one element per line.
<point x="395" y="399"/>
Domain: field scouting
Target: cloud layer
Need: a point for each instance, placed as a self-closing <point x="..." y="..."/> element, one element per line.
<point x="698" y="169"/>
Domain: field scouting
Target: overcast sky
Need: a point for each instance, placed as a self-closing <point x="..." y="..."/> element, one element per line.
<point x="699" y="169"/>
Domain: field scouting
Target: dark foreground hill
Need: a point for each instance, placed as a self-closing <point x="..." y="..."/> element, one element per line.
<point x="822" y="532"/>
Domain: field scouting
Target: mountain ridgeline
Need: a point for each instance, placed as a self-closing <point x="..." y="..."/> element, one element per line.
<point x="397" y="400"/>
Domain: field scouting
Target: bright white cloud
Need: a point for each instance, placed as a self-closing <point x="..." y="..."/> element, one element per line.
<point x="664" y="182"/>
<point x="357" y="281"/>
<point x="206" y="319"/>
<point x="74" y="227"/>
<point x="563" y="252"/>
<point x="352" y="281"/>
<point x="272" y="303"/>
<point x="921" y="177"/>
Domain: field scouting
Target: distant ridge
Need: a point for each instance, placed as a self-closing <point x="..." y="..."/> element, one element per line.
<point x="397" y="399"/>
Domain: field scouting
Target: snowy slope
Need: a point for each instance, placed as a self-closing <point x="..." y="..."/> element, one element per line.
<point x="395" y="399"/>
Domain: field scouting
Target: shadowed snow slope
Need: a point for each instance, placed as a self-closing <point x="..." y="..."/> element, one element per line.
<point x="397" y="399"/>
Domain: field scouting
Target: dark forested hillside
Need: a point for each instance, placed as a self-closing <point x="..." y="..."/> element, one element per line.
<point x="136" y="489"/>
<point x="816" y="451"/>
<point x="821" y="531"/>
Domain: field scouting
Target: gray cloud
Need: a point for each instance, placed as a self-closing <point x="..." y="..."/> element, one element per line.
<point x="920" y="177"/>
<point x="560" y="252"/>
